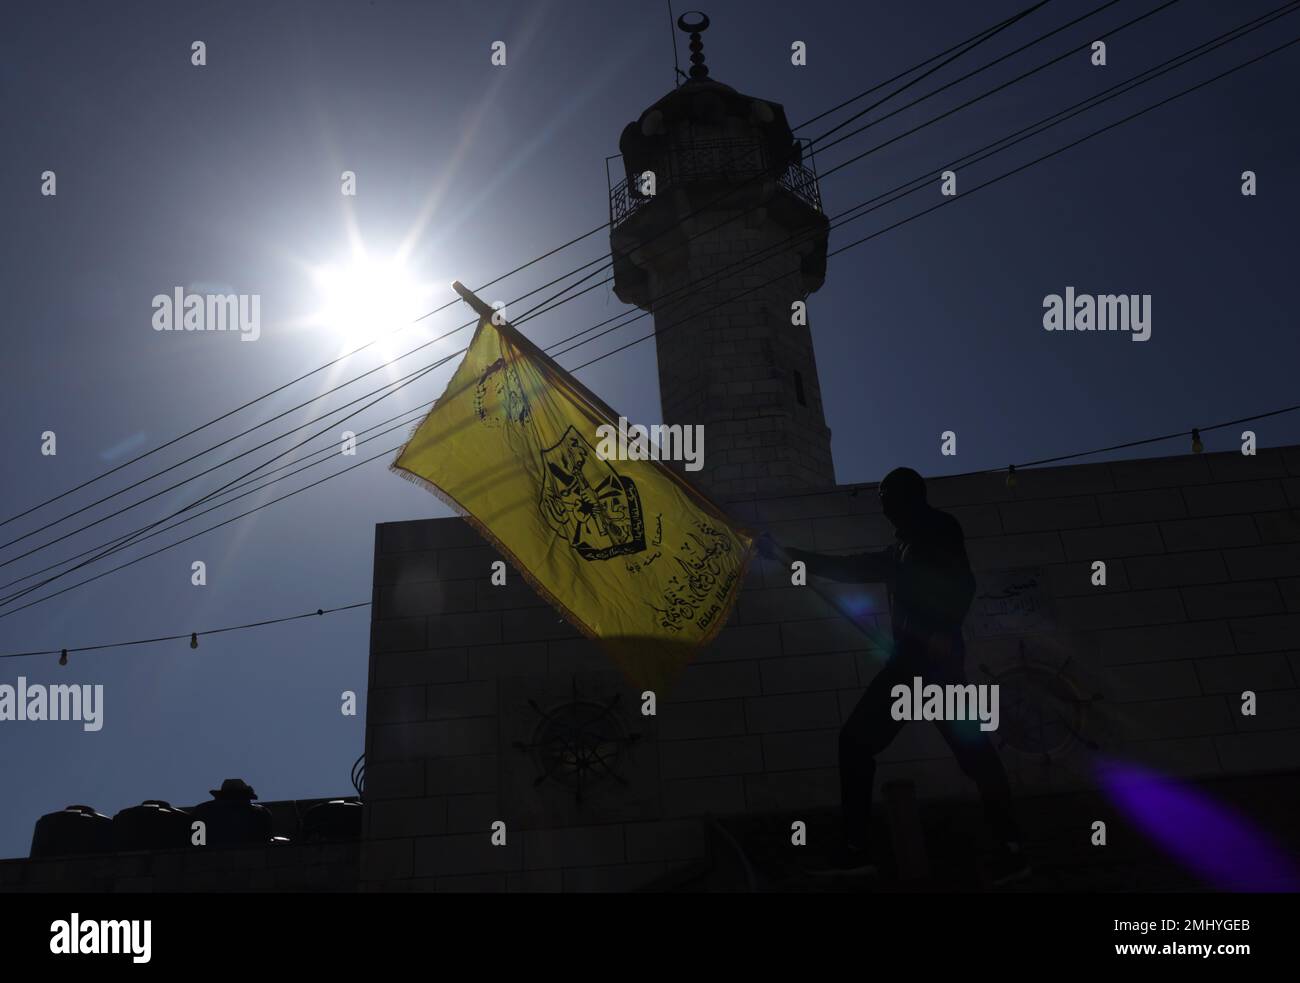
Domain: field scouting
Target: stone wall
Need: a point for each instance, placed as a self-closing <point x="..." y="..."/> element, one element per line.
<point x="1202" y="601"/>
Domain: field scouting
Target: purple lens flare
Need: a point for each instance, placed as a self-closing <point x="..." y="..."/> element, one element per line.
<point x="1225" y="849"/>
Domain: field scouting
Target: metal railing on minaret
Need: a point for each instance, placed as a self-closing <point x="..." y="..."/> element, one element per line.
<point x="702" y="161"/>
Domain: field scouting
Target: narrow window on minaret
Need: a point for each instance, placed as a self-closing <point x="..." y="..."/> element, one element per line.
<point x="798" y="388"/>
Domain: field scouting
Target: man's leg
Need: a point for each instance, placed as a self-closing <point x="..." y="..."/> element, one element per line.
<point x="980" y="762"/>
<point x="867" y="732"/>
<point x="974" y="751"/>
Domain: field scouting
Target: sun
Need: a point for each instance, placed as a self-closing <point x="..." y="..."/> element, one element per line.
<point x="366" y="299"/>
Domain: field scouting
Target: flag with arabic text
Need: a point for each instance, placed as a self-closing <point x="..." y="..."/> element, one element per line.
<point x="627" y="551"/>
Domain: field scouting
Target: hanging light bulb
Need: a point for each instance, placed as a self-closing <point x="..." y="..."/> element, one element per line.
<point x="194" y="640"/>
<point x="1011" y="476"/>
<point x="63" y="658"/>
<point x="1197" y="446"/>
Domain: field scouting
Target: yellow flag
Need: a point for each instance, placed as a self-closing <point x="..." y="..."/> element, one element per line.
<point x="626" y="550"/>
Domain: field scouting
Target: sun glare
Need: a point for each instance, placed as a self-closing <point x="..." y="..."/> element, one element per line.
<point x="365" y="299"/>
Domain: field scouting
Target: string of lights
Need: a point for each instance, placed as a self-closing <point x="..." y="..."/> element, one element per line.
<point x="193" y="636"/>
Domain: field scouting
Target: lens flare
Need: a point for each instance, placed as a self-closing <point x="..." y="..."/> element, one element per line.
<point x="1222" y="847"/>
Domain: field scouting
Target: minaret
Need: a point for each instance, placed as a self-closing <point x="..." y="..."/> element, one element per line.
<point x="718" y="231"/>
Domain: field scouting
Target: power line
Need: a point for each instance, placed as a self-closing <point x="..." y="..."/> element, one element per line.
<point x="305" y="375"/>
<point x="996" y="61"/>
<point x="118" y="547"/>
<point x="677" y="68"/>
<point x="983" y="36"/>
<point x="394" y="387"/>
<point x="550" y="301"/>
<point x="1005" y="24"/>
<point x="686" y="287"/>
<point x="1153" y="440"/>
<point x="896" y="199"/>
<point x="987" y="35"/>
<point x="1056" y="459"/>
<point x="895" y="225"/>
<point x="1227" y="36"/>
<point x="973" y="157"/>
<point x="118" y="541"/>
<point x="1018" y="469"/>
<point x="1075" y="143"/>
<point x="163" y="549"/>
<point x="121" y="543"/>
<point x="1001" y="177"/>
<point x="411" y="378"/>
<point x="201" y="532"/>
<point x="157" y="474"/>
<point x="118" y="544"/>
<point x="258" y="426"/>
<point x="978" y="38"/>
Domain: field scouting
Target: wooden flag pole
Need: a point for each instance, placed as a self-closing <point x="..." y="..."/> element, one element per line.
<point x="486" y="310"/>
<point x="473" y="299"/>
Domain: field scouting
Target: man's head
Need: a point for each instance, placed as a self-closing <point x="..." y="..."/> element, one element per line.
<point x="902" y="494"/>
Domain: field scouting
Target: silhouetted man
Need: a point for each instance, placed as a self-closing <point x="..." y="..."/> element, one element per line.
<point x="232" y="818"/>
<point x="931" y="588"/>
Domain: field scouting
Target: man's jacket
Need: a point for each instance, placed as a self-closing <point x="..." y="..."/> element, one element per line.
<point x="931" y="585"/>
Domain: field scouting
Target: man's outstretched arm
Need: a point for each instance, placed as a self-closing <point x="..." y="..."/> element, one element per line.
<point x="857" y="568"/>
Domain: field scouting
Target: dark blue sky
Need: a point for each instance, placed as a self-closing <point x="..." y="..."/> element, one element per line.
<point x="229" y="175"/>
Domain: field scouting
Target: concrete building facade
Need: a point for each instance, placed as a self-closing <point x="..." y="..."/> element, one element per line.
<point x="1201" y="602"/>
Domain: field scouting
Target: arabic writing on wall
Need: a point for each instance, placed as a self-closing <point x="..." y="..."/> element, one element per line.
<point x="1011" y="602"/>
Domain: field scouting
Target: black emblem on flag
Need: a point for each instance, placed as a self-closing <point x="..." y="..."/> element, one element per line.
<point x="499" y="396"/>
<point x="501" y="404"/>
<point x="585" y="500"/>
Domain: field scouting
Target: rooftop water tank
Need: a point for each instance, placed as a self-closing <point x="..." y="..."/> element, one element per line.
<point x="337" y="819"/>
<point x="76" y="829"/>
<point x="152" y="825"/>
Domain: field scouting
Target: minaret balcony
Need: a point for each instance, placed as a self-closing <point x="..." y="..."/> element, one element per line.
<point x="718" y="162"/>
